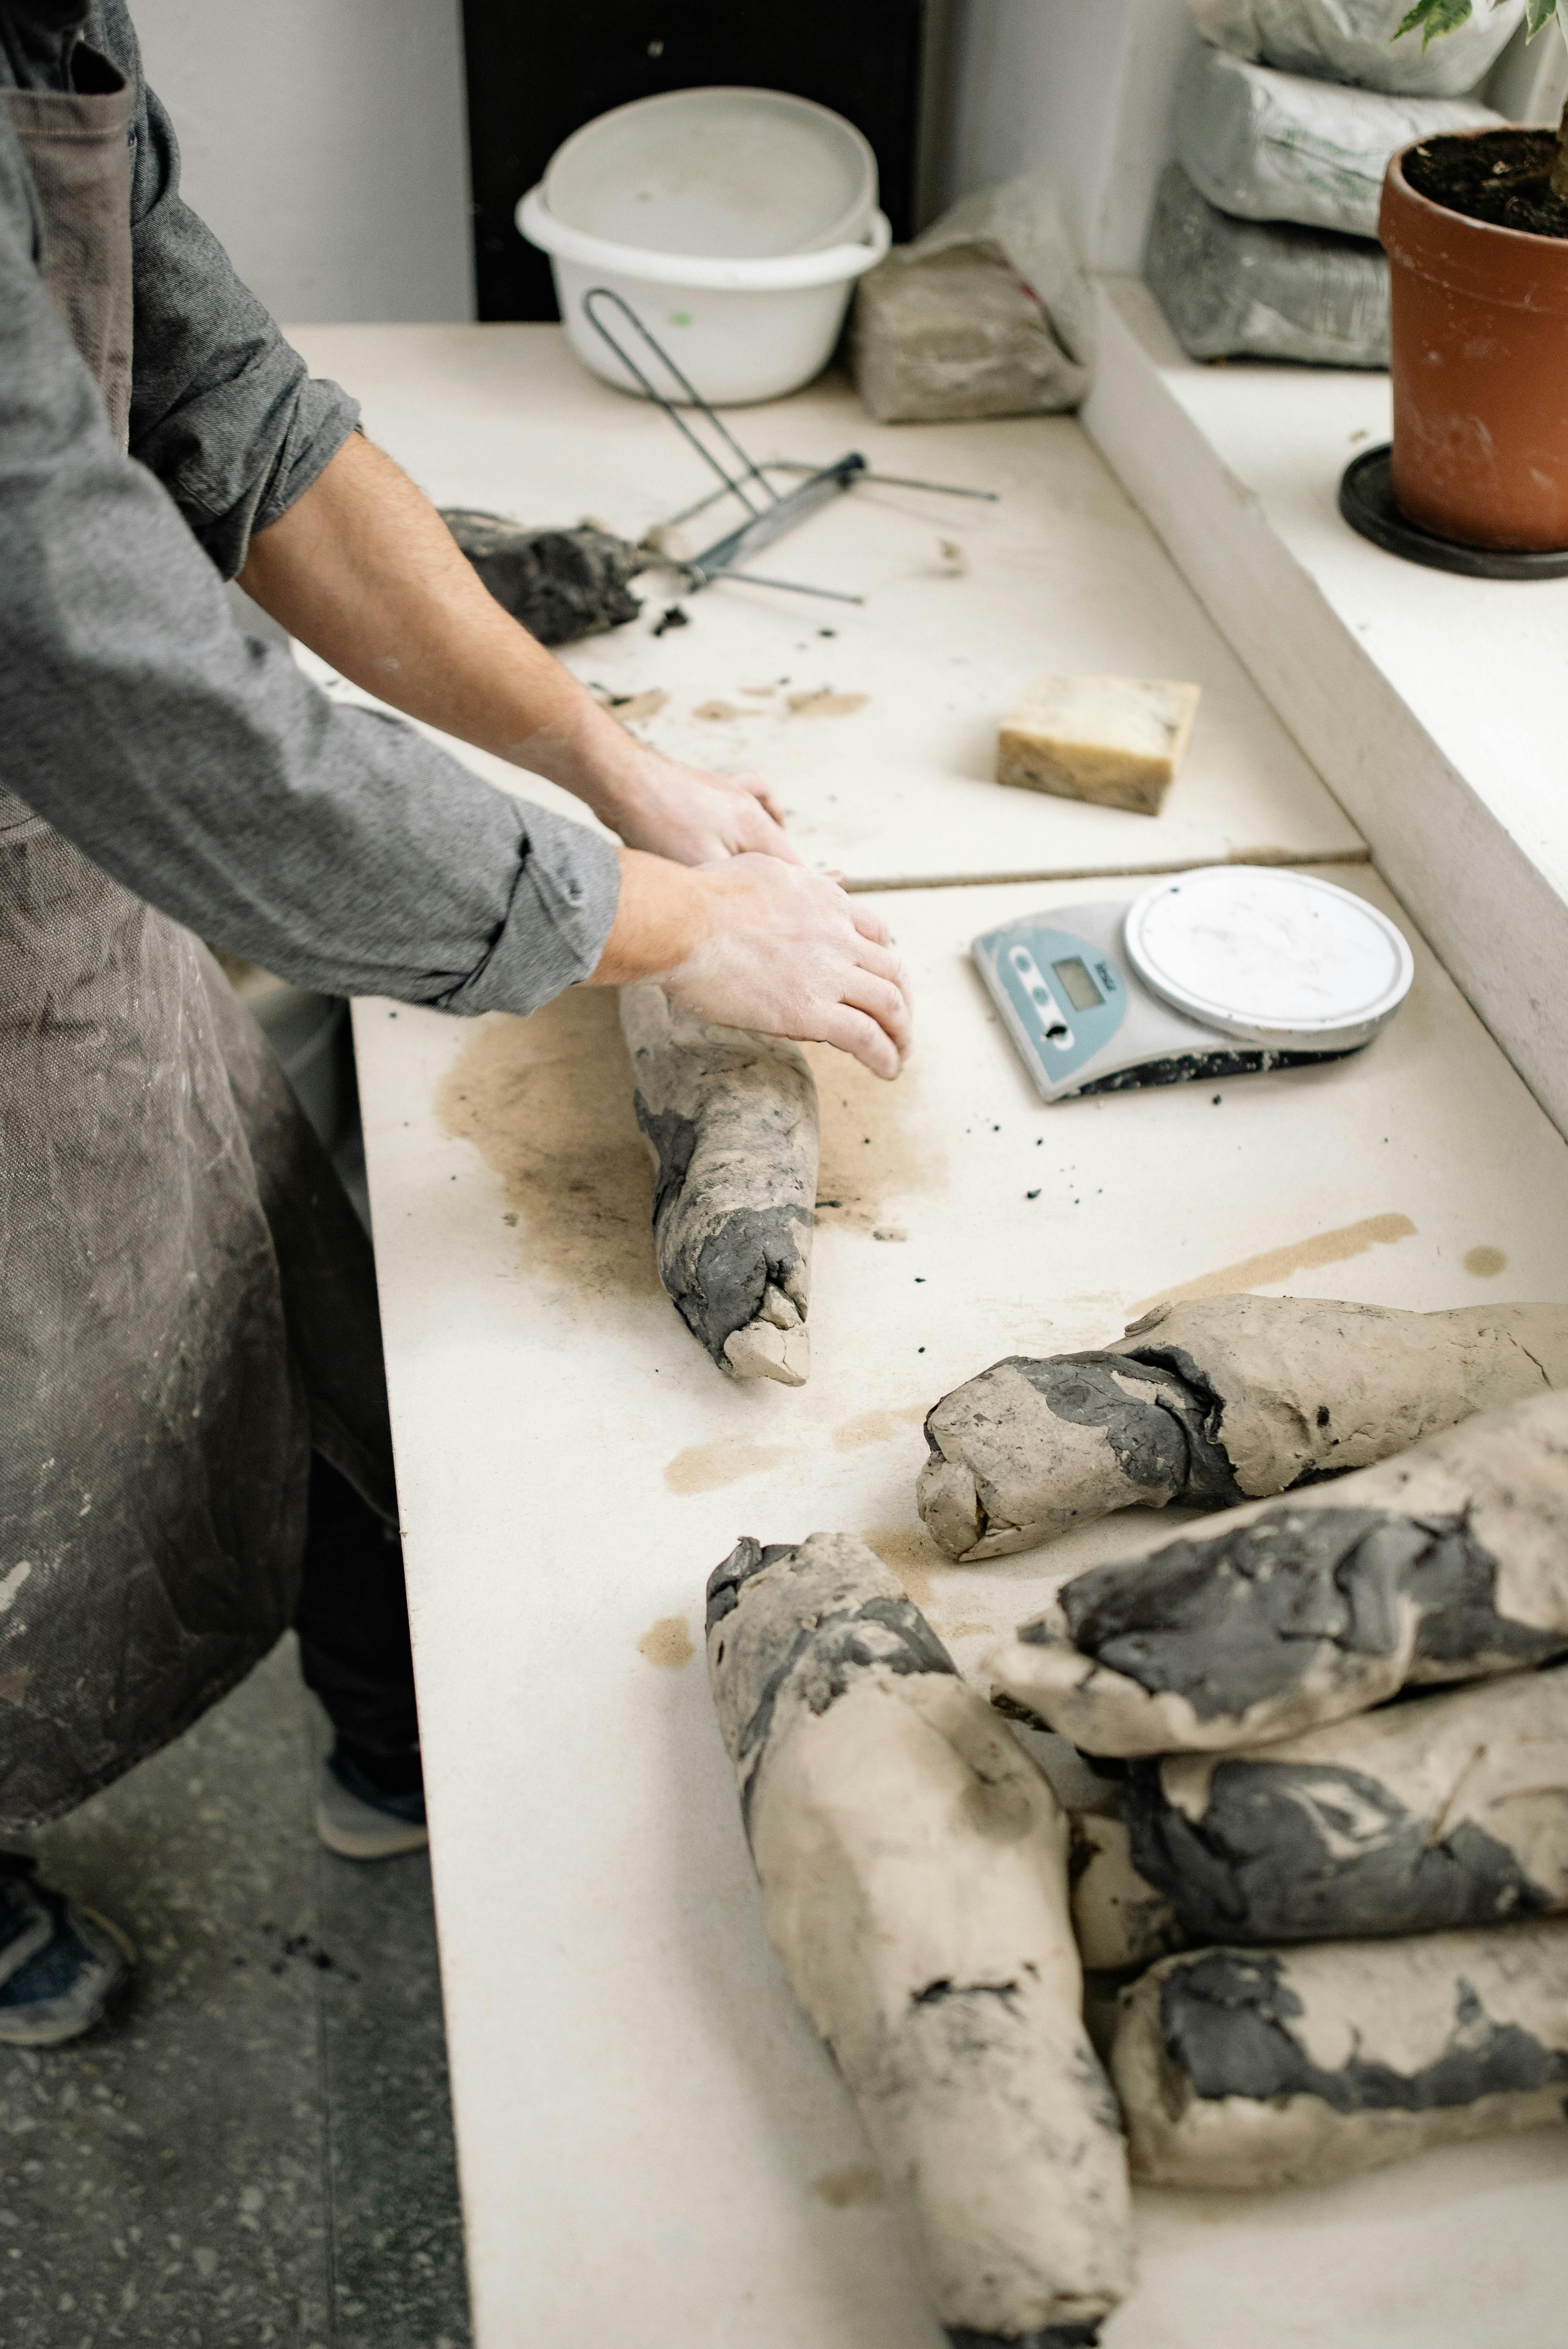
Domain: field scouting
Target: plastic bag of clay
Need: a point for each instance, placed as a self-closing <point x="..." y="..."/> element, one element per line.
<point x="986" y="314"/>
<point x="1263" y="290"/>
<point x="1269" y="146"/>
<point x="1359" y="41"/>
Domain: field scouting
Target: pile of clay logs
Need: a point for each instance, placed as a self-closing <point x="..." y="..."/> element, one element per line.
<point x="1311" y="1849"/>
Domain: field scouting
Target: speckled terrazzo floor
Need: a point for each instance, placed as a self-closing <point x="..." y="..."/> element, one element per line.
<point x="257" y="2152"/>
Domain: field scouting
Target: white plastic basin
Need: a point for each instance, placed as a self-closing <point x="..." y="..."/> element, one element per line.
<point x="736" y="174"/>
<point x="740" y="329"/>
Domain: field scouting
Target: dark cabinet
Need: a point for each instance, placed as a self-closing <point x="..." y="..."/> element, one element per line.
<point x="535" y="74"/>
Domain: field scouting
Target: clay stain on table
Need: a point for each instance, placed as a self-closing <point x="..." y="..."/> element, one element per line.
<point x="840" y="2190"/>
<point x="1308" y="1255"/>
<point x="547" y="1102"/>
<point x="875" y="1427"/>
<point x="826" y="705"/>
<point x="667" y="1642"/>
<point x="869" y="1158"/>
<point x="910" y="1554"/>
<point x="708" y="1467"/>
<point x="1485" y="1263"/>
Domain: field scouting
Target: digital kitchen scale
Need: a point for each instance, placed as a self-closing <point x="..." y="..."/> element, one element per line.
<point x="1224" y="972"/>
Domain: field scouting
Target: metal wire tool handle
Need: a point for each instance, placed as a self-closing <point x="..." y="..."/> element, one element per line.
<point x="769" y="514"/>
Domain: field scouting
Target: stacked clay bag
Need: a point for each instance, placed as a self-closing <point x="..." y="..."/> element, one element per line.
<point x="1264" y="239"/>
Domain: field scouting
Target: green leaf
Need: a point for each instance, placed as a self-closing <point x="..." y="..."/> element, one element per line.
<point x="1538" y="14"/>
<point x="1435" y="17"/>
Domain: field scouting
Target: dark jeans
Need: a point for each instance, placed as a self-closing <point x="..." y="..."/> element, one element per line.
<point x="353" y="1626"/>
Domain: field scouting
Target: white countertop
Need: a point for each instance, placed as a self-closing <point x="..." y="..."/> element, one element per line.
<point x="1062" y="573"/>
<point x="647" y="2128"/>
<point x="1432" y="704"/>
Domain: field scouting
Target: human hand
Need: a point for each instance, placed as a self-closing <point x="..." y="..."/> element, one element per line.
<point x="790" y="953"/>
<point x="693" y="817"/>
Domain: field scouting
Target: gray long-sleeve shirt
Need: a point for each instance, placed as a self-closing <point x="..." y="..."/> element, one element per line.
<point x="336" y="845"/>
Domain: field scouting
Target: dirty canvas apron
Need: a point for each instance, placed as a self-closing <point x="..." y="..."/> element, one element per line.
<point x="187" y="1301"/>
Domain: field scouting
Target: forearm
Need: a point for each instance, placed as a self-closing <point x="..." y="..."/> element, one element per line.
<point x="363" y="571"/>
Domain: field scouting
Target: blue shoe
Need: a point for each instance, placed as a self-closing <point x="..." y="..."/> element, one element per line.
<point x="357" y="1821"/>
<point x="61" y="1967"/>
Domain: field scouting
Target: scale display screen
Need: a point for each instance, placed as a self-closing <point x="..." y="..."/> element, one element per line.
<point x="1072" y="975"/>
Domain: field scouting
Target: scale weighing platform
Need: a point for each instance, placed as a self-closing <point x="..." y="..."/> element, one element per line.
<point x="1227" y="971"/>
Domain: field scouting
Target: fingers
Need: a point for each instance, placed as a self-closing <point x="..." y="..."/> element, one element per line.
<point x="858" y="1034"/>
<point x="870" y="926"/>
<point x="885" y="962"/>
<point x="884" y="1002"/>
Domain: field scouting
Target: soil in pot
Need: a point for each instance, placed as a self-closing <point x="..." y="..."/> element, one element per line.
<point x="1500" y="176"/>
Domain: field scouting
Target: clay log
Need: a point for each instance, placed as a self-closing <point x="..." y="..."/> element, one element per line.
<point x="730" y="1120"/>
<point x="1121" y="1918"/>
<point x="1449" y="1563"/>
<point x="913" y="1866"/>
<point x="1219" y="1400"/>
<point x="1452" y="1810"/>
<point x="1242" y="2068"/>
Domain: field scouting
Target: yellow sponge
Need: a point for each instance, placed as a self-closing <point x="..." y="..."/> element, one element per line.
<point x="1118" y="741"/>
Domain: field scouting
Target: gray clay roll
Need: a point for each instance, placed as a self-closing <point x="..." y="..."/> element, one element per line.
<point x="1449" y="1563"/>
<point x="913" y="1866"/>
<point x="1257" y="2068"/>
<point x="730" y="1120"/>
<point x="1219" y="1400"/>
<point x="1446" y="1811"/>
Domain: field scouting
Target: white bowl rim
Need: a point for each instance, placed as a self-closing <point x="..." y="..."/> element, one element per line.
<point x="787" y="273"/>
<point x="785" y="100"/>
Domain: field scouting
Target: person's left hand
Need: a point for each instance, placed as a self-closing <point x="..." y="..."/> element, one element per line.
<point x="695" y="818"/>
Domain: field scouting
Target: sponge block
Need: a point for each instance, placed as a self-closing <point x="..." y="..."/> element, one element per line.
<point x="1117" y="741"/>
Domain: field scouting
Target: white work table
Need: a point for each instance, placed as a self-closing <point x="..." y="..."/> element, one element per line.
<point x="655" y="2152"/>
<point x="1061" y="573"/>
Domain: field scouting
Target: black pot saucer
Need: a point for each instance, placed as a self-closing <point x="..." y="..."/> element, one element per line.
<point x="1367" y="502"/>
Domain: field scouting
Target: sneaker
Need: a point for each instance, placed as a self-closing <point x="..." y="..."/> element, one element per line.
<point x="61" y="1967"/>
<point x="357" y="1821"/>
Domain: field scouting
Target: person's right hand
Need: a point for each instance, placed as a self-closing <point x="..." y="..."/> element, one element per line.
<point x="791" y="953"/>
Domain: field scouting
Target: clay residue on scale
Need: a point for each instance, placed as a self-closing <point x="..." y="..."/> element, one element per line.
<point x="708" y="1467"/>
<point x="824" y="704"/>
<point x="667" y="1643"/>
<point x="1308" y="1255"/>
<point x="867" y="1160"/>
<point x="1485" y="1263"/>
<point x="547" y="1102"/>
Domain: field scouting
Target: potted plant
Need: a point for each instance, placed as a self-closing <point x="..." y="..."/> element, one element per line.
<point x="1475" y="225"/>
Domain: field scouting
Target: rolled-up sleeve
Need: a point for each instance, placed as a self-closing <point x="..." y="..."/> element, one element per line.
<point x="336" y="846"/>
<point x="222" y="409"/>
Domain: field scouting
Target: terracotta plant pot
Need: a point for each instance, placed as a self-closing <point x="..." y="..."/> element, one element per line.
<point x="1478" y="334"/>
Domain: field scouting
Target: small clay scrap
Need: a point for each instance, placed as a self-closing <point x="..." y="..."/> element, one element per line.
<point x="1117" y="741"/>
<point x="1120" y="1918"/>
<point x="1256" y="2068"/>
<point x="730" y="1119"/>
<point x="913" y="1866"/>
<point x="1217" y="1401"/>
<point x="1446" y="1811"/>
<point x="560" y="584"/>
<point x="1449" y="1563"/>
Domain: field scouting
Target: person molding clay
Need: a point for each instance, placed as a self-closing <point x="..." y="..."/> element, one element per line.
<point x="197" y="1446"/>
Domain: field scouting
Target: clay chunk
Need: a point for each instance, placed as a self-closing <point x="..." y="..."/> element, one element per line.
<point x="1216" y="1401"/>
<point x="1118" y="741"/>
<point x="913" y="1866"/>
<point x="1446" y="1811"/>
<point x="730" y="1120"/>
<point x="1449" y="1563"/>
<point x="1258" y="2068"/>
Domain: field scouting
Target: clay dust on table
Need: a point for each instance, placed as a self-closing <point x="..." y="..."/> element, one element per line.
<point x="1308" y="1255"/>
<point x="709" y="1467"/>
<point x="547" y="1102"/>
<point x="826" y="705"/>
<point x="667" y="1642"/>
<point x="869" y="1159"/>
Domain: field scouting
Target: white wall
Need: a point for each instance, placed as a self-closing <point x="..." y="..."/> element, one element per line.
<point x="1082" y="85"/>
<point x="324" y="142"/>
